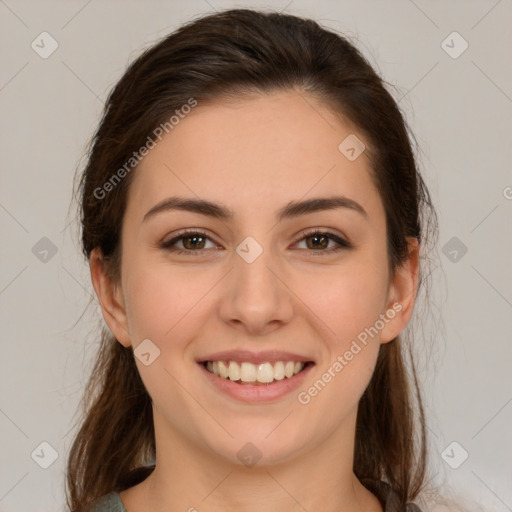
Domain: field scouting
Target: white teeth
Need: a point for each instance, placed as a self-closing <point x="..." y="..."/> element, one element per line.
<point x="248" y="372"/>
<point x="279" y="370"/>
<point x="223" y="369"/>
<point x="265" y="373"/>
<point x="234" y="371"/>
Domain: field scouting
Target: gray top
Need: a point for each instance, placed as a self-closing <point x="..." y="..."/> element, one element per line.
<point x="109" y="503"/>
<point x="112" y="502"/>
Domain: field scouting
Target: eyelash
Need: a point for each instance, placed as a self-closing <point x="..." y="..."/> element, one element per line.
<point x="342" y="243"/>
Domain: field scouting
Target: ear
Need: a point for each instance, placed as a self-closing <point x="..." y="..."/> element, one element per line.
<point x="402" y="294"/>
<point x="110" y="298"/>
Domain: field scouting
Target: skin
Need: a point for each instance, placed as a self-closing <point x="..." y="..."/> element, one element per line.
<point x="254" y="155"/>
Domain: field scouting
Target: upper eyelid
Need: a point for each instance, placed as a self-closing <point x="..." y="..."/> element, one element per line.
<point x="188" y="232"/>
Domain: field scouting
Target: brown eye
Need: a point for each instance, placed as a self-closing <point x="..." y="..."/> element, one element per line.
<point x="192" y="242"/>
<point x="318" y="241"/>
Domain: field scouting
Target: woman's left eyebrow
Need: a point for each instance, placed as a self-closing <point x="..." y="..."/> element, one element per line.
<point x="292" y="209"/>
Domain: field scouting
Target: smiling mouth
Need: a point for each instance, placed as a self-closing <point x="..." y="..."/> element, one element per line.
<point x="256" y="374"/>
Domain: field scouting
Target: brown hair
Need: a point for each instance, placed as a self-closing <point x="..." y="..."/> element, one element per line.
<point x="231" y="53"/>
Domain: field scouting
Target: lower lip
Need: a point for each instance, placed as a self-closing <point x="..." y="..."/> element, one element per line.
<point x="257" y="393"/>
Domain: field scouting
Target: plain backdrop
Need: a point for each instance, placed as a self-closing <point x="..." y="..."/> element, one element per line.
<point x="458" y="102"/>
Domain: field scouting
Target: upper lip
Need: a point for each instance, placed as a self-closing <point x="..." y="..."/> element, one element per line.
<point x="266" y="356"/>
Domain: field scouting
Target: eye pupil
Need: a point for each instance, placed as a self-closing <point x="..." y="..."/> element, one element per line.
<point x="194" y="245"/>
<point x="316" y="238"/>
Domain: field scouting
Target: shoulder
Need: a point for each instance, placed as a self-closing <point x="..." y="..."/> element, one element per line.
<point x="109" y="503"/>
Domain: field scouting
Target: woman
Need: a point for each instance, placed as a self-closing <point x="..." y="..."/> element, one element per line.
<point x="252" y="217"/>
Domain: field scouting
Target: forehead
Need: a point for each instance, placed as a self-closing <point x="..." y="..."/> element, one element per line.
<point x="253" y="152"/>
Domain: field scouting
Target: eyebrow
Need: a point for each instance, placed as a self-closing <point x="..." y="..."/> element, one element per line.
<point x="292" y="209"/>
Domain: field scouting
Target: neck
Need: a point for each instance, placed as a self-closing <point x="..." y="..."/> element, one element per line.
<point x="191" y="478"/>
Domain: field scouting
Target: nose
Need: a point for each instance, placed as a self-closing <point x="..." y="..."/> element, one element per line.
<point x="256" y="298"/>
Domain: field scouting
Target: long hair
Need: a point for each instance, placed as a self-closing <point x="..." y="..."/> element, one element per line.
<point x="225" y="54"/>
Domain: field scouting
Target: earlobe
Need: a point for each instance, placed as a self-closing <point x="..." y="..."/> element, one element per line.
<point x="402" y="294"/>
<point x="110" y="298"/>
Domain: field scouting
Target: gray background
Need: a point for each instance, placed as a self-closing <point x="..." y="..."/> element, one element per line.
<point x="459" y="109"/>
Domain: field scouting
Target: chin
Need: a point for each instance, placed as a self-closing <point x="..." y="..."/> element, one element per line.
<point x="260" y="448"/>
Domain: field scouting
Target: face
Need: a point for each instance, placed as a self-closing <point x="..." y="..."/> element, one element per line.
<point x="265" y="287"/>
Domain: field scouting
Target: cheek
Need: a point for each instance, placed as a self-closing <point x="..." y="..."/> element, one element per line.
<point x="350" y="304"/>
<point x="163" y="305"/>
<point x="347" y="300"/>
<point x="159" y="297"/>
<point x="347" y="305"/>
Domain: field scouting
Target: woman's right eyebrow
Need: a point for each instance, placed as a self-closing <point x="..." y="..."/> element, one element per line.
<point x="201" y="206"/>
<point x="292" y="209"/>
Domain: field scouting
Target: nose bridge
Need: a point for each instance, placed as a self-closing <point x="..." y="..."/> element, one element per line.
<point x="256" y="296"/>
